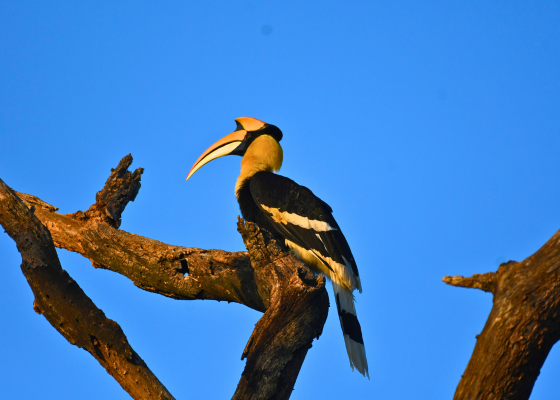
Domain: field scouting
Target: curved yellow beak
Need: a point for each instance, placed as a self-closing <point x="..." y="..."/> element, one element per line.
<point x="222" y="147"/>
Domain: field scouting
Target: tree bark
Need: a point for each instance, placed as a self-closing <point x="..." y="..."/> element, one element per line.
<point x="522" y="327"/>
<point x="297" y="310"/>
<point x="67" y="308"/>
<point x="184" y="273"/>
<point x="267" y="278"/>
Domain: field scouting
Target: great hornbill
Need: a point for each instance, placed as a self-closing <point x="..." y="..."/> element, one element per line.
<point x="293" y="213"/>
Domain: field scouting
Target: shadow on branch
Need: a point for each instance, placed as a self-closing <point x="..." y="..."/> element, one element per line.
<point x="267" y="278"/>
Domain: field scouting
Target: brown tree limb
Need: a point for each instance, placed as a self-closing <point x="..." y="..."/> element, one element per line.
<point x="267" y="278"/>
<point x="67" y="308"/>
<point x="121" y="187"/>
<point x="522" y="327"/>
<point x="483" y="282"/>
<point x="185" y="273"/>
<point x="298" y="309"/>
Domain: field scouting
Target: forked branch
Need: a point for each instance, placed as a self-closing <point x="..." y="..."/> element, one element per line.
<point x="185" y="273"/>
<point x="67" y="308"/>
<point x="267" y="278"/>
<point x="522" y="327"/>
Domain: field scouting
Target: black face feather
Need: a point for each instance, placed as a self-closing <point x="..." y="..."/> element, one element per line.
<point x="267" y="129"/>
<point x="241" y="149"/>
<point x="271" y="130"/>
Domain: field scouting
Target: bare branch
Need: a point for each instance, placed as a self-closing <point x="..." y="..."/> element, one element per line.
<point x="185" y="273"/>
<point x="521" y="329"/>
<point x="67" y="308"/>
<point x="296" y="315"/>
<point x="121" y="187"/>
<point x="268" y="278"/>
<point x="477" y="281"/>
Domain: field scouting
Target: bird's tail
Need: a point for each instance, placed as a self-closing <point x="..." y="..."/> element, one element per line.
<point x="351" y="328"/>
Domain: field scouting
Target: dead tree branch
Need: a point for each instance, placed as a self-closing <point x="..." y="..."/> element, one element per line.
<point x="484" y="282"/>
<point x="521" y="329"/>
<point x="67" y="308"/>
<point x="297" y="310"/>
<point x="267" y="279"/>
<point x="178" y="272"/>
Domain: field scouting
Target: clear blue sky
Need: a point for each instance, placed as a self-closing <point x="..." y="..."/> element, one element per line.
<point x="431" y="128"/>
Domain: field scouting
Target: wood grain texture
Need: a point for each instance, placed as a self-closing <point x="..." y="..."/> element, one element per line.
<point x="297" y="311"/>
<point x="67" y="308"/>
<point x="267" y="278"/>
<point x="522" y="327"/>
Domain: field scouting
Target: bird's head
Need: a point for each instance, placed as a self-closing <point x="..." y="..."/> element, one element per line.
<point x="254" y="140"/>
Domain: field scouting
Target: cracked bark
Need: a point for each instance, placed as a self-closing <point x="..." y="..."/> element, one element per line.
<point x="519" y="333"/>
<point x="267" y="278"/>
<point x="67" y="308"/>
<point x="522" y="327"/>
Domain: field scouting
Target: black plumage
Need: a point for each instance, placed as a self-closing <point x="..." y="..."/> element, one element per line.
<point x="281" y="193"/>
<point x="265" y="191"/>
<point x="295" y="217"/>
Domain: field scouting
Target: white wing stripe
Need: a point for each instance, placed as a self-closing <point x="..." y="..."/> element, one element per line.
<point x="341" y="274"/>
<point x="306" y="223"/>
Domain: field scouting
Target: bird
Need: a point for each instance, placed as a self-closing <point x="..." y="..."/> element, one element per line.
<point x="292" y="213"/>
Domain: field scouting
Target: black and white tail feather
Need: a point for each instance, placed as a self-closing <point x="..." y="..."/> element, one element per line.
<point x="309" y="229"/>
<point x="346" y="313"/>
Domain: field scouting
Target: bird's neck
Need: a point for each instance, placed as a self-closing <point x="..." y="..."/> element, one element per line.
<point x="264" y="154"/>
